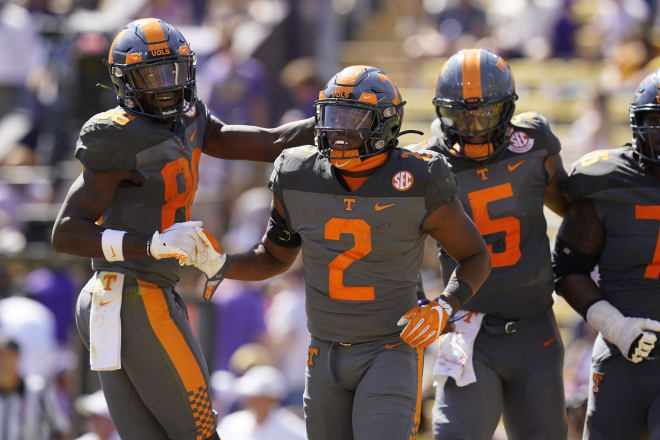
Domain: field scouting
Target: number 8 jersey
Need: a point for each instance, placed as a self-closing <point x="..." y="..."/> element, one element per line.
<point x="504" y="198"/>
<point x="166" y="163"/>
<point x="362" y="250"/>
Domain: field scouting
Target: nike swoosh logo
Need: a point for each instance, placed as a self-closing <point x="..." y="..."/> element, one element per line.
<point x="548" y="342"/>
<point x="113" y="251"/>
<point x="388" y="346"/>
<point x="515" y="165"/>
<point x="381" y="207"/>
<point x="103" y="303"/>
<point x="192" y="136"/>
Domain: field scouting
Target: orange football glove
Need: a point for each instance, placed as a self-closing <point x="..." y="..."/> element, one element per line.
<point x="425" y="322"/>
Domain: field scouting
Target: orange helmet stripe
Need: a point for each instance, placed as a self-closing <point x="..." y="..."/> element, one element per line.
<point x="117" y="37"/>
<point x="397" y="97"/>
<point x="349" y="76"/>
<point x="153" y="32"/>
<point x="472" y="73"/>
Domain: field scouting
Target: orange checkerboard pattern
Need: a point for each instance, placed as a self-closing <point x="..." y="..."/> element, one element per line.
<point x="205" y="420"/>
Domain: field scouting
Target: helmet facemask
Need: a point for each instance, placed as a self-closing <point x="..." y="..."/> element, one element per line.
<point x="163" y="89"/>
<point x="477" y="129"/>
<point x="646" y="137"/>
<point x="348" y="129"/>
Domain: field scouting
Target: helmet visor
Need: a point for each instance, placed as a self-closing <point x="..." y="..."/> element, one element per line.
<point x="344" y="117"/>
<point x="158" y="76"/>
<point x="481" y="119"/>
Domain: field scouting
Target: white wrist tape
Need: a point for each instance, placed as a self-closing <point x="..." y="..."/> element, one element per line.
<point x="111" y="243"/>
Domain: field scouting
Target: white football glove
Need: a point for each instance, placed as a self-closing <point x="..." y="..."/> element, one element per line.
<point x="209" y="258"/>
<point x="624" y="332"/>
<point x="178" y="241"/>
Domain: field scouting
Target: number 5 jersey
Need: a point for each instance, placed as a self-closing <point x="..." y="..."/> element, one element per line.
<point x="504" y="198"/>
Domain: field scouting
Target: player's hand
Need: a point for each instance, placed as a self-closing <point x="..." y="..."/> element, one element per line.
<point x="634" y="337"/>
<point x="425" y="322"/>
<point x="178" y="241"/>
<point x="209" y="257"/>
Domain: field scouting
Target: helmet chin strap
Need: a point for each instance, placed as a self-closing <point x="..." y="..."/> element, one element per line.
<point x="356" y="165"/>
<point x="476" y="152"/>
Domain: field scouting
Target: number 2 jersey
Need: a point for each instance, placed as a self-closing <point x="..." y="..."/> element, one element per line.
<point x="504" y="198"/>
<point x="166" y="163"/>
<point x="627" y="202"/>
<point x="362" y="250"/>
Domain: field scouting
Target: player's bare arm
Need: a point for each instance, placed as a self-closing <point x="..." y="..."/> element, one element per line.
<point x="581" y="235"/>
<point x="553" y="194"/>
<point x="580" y="241"/>
<point x="75" y="231"/>
<point x="457" y="234"/>
<point x="246" y="142"/>
<point x="265" y="259"/>
<point x="460" y="238"/>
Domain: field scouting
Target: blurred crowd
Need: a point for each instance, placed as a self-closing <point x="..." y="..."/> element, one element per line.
<point x="260" y="62"/>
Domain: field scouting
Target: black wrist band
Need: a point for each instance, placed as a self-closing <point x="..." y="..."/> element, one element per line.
<point x="460" y="289"/>
<point x="148" y="247"/>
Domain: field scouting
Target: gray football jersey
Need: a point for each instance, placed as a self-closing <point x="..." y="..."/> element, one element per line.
<point x="627" y="202"/>
<point x="166" y="163"/>
<point x="362" y="250"/>
<point x="504" y="198"/>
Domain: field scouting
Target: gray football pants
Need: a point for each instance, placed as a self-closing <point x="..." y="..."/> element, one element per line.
<point x="519" y="377"/>
<point x="161" y="391"/>
<point x="368" y="391"/>
<point x="624" y="398"/>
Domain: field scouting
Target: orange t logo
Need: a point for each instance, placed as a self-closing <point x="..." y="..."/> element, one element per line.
<point x="598" y="378"/>
<point x="108" y="280"/>
<point x="349" y="204"/>
<point x="310" y="358"/>
<point x="482" y="172"/>
<point x="469" y="316"/>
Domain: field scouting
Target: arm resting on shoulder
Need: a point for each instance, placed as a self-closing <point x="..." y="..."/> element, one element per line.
<point x="247" y="142"/>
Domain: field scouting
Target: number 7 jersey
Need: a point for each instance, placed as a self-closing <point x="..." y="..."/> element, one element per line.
<point x="504" y="198"/>
<point x="362" y="250"/>
<point x="165" y="162"/>
<point x="627" y="202"/>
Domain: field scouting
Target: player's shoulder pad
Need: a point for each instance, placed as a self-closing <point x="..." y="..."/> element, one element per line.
<point x="294" y="160"/>
<point x="107" y="140"/>
<point x="597" y="170"/>
<point x="420" y="146"/>
<point x="531" y="130"/>
<point x="427" y="164"/>
<point x="423" y="158"/>
<point x="434" y="172"/>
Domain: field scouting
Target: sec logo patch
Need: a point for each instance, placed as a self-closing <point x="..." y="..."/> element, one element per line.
<point x="519" y="142"/>
<point x="402" y="181"/>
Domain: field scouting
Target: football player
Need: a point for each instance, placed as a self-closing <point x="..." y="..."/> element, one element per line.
<point x="613" y="222"/>
<point x="507" y="169"/>
<point x="361" y="209"/>
<point x="129" y="210"/>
